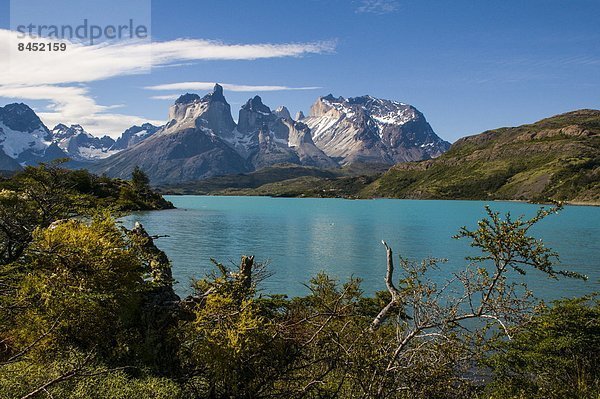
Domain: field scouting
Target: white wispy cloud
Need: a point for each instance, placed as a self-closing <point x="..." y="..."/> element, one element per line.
<point x="180" y="86"/>
<point x="377" y="6"/>
<point x="165" y="97"/>
<point x="81" y="63"/>
<point x="74" y="104"/>
<point x="58" y="76"/>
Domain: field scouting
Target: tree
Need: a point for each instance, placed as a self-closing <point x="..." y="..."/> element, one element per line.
<point x="36" y="197"/>
<point x="79" y="282"/>
<point x="88" y="299"/>
<point x="229" y="348"/>
<point x="432" y="314"/>
<point x="140" y="180"/>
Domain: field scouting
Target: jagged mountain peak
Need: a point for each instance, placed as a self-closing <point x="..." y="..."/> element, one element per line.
<point x="134" y="135"/>
<point x="23" y="136"/>
<point x="62" y="131"/>
<point x="20" y="117"/>
<point x="368" y="100"/>
<point x="210" y="112"/>
<point x="282" y="112"/>
<point x="255" y="104"/>
<point x="192" y="145"/>
<point x="80" y="145"/>
<point x="148" y="126"/>
<point x="367" y="106"/>
<point x="19" y="109"/>
<point x="217" y="94"/>
<point x="266" y="138"/>
<point x="253" y="115"/>
<point x="25" y="139"/>
<point x="187" y="98"/>
<point x="330" y="97"/>
<point x="370" y="129"/>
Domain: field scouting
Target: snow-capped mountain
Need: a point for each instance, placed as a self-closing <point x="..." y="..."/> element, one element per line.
<point x="134" y="135"/>
<point x="79" y="145"/>
<point x="368" y="129"/>
<point x="190" y="146"/>
<point x="24" y="138"/>
<point x="201" y="138"/>
<point x="266" y="137"/>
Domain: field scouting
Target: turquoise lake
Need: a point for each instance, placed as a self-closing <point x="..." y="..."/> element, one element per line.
<point x="300" y="237"/>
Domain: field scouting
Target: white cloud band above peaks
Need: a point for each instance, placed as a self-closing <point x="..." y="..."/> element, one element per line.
<point x="60" y="77"/>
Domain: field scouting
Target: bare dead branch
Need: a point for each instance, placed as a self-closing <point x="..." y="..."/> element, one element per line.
<point x="63" y="377"/>
<point x="389" y="277"/>
<point x="24" y="351"/>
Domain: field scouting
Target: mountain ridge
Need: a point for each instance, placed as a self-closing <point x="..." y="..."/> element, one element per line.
<point x="23" y="136"/>
<point x="554" y="159"/>
<point x="80" y="145"/>
<point x="368" y="129"/>
<point x="263" y="137"/>
<point x="186" y="148"/>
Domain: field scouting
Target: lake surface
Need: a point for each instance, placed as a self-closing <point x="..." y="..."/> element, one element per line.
<point x="300" y="237"/>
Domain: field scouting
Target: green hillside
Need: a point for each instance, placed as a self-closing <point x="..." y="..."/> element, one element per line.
<point x="557" y="158"/>
<point x="286" y="180"/>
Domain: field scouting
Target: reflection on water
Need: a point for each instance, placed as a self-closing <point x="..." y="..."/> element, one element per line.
<point x="300" y="237"/>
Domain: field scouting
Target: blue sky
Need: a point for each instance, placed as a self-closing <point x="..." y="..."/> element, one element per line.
<point x="467" y="65"/>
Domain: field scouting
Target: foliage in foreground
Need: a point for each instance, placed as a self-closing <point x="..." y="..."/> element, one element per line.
<point x="554" y="355"/>
<point x="51" y="185"/>
<point x="87" y="310"/>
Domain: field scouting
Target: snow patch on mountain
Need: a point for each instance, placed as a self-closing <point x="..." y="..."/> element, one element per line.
<point x="14" y="142"/>
<point x="369" y="129"/>
<point x="81" y="145"/>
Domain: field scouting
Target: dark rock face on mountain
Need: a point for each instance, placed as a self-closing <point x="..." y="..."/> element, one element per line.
<point x="52" y="152"/>
<point x="371" y="130"/>
<point x="21" y="118"/>
<point x="267" y="138"/>
<point x="282" y="112"/>
<point x="79" y="145"/>
<point x="133" y="136"/>
<point x="186" y="148"/>
<point x="253" y="115"/>
<point x="7" y="163"/>
<point x="24" y="138"/>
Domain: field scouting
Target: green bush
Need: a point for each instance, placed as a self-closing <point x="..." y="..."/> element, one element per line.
<point x="554" y="355"/>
